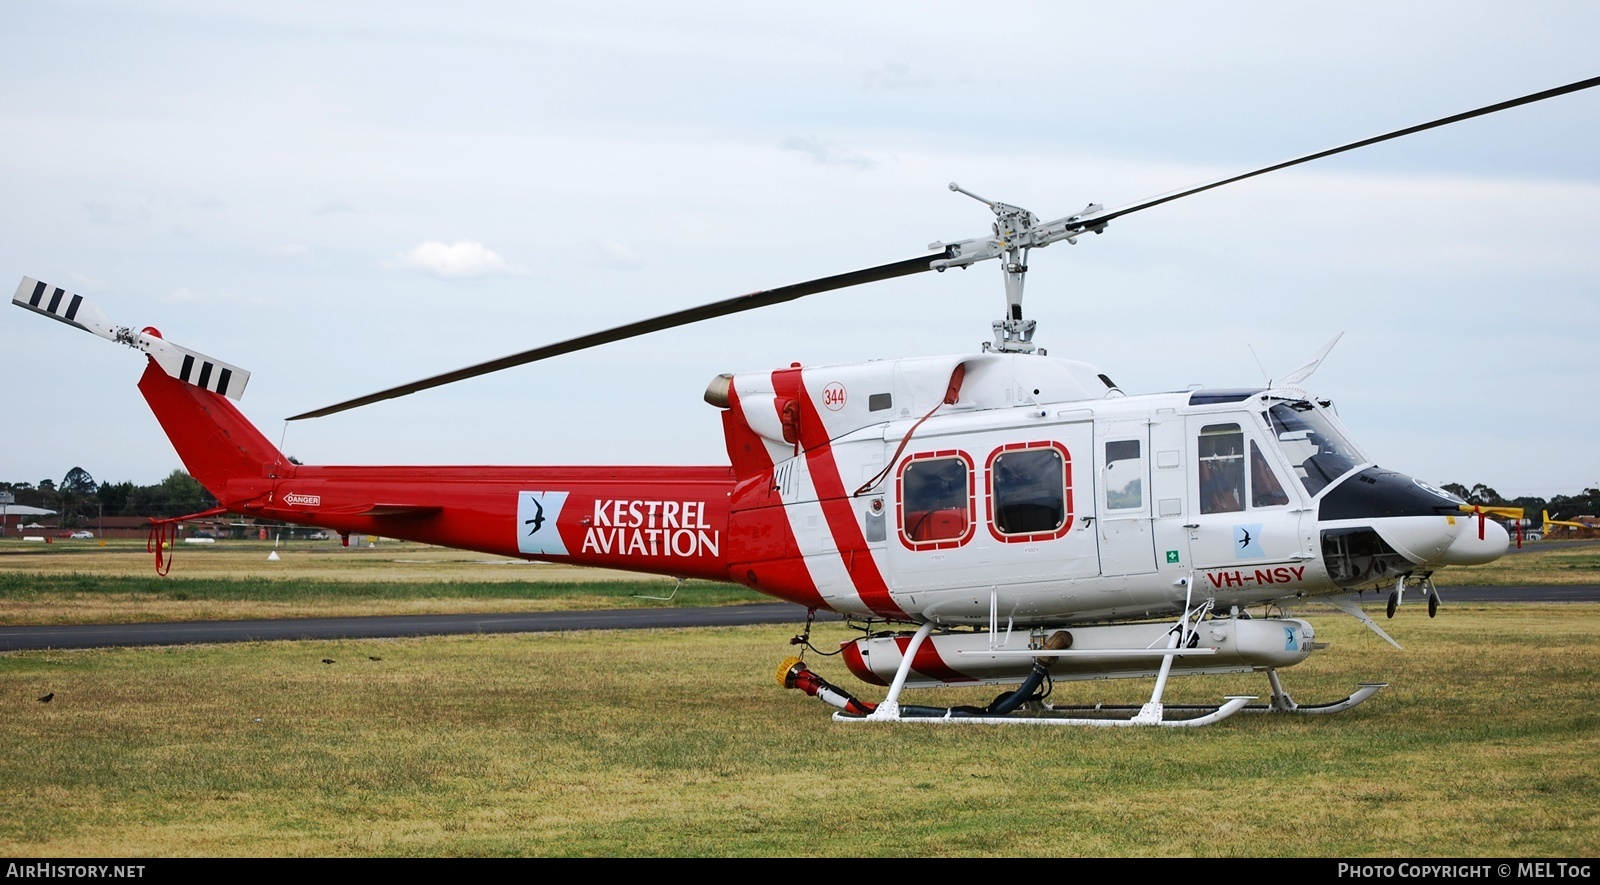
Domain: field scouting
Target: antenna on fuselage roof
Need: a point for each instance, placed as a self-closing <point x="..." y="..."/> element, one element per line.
<point x="1257" y="358"/>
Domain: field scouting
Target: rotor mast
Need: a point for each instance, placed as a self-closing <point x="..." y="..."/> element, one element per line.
<point x="1015" y="232"/>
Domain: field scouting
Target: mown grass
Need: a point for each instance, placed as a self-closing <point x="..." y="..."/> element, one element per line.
<point x="679" y="743"/>
<point x="1544" y="563"/>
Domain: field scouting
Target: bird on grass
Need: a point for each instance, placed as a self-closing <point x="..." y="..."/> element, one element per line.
<point x="329" y="661"/>
<point x="48" y="698"/>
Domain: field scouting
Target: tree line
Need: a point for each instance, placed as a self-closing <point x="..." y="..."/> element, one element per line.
<point x="1585" y="503"/>
<point x="79" y="500"/>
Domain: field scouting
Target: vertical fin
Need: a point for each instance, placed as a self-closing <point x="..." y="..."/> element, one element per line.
<point x="218" y="445"/>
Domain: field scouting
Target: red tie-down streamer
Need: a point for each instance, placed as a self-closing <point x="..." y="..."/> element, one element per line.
<point x="1481" y="514"/>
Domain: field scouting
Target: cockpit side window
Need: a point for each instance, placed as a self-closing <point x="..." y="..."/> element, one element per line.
<point x="1265" y="490"/>
<point x="1221" y="468"/>
<point x="1319" y="452"/>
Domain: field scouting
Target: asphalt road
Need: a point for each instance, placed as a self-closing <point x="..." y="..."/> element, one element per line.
<point x="386" y="627"/>
<point x="391" y="626"/>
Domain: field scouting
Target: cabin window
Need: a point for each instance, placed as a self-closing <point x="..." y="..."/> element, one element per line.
<point x="1221" y="468"/>
<point x="1265" y="490"/>
<point x="1124" y="480"/>
<point x="937" y="509"/>
<point x="1030" y="492"/>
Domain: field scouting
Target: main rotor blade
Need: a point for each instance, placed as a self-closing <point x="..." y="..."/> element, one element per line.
<point x="764" y="298"/>
<point x="1120" y="211"/>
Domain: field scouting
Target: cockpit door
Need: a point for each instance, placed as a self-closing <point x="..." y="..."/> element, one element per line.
<point x="1243" y="516"/>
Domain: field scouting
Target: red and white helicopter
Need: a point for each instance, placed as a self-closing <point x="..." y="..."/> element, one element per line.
<point x="1000" y="517"/>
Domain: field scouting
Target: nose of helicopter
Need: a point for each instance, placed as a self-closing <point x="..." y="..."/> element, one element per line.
<point x="1445" y="540"/>
<point x="1423" y="524"/>
<point x="1424" y="540"/>
<point x="1470" y="549"/>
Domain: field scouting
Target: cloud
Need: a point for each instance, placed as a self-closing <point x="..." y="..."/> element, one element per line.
<point x="456" y="261"/>
<point x="825" y="153"/>
<point x="614" y="254"/>
<point x="189" y="296"/>
<point x="895" y="76"/>
<point x="102" y="212"/>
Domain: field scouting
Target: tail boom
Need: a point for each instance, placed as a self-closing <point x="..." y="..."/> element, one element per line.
<point x="659" y="520"/>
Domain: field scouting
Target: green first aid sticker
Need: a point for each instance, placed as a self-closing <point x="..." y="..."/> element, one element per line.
<point x="1172" y="556"/>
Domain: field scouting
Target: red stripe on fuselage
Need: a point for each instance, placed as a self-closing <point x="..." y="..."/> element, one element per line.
<point x="831" y="494"/>
<point x="781" y="571"/>
<point x="928" y="663"/>
<point x="858" y="665"/>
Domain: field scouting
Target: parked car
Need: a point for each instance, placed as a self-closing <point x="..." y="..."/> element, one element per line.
<point x="318" y="536"/>
<point x="82" y="535"/>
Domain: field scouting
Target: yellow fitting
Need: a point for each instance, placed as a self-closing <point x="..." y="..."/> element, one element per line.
<point x="1507" y="512"/>
<point x="787" y="667"/>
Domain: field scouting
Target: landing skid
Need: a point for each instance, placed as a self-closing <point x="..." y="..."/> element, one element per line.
<point x="1112" y="715"/>
<point x="1024" y="707"/>
<point x="1145" y="715"/>
<point x="1151" y="713"/>
<point x="1280" y="703"/>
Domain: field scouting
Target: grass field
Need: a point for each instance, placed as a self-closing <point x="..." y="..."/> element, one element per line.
<point x="678" y="742"/>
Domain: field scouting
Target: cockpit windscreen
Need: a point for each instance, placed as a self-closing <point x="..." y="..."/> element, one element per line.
<point x="1319" y="452"/>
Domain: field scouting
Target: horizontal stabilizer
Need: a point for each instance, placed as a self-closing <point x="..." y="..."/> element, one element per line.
<point x="383" y="511"/>
<point x="179" y="362"/>
<point x="402" y="510"/>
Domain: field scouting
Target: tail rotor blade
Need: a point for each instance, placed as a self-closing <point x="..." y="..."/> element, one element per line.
<point x="198" y="369"/>
<point x="186" y="365"/>
<point x="67" y="307"/>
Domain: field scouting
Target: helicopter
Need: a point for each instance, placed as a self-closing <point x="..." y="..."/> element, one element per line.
<point x="1004" y="517"/>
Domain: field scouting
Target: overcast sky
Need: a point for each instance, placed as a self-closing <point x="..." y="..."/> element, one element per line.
<point x="343" y="197"/>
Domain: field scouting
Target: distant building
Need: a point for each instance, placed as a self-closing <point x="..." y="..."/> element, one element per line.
<point x="17" y="515"/>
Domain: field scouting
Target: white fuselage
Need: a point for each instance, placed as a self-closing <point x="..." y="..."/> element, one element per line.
<point x="1043" y="495"/>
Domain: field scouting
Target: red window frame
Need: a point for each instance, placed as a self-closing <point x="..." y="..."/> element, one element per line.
<point x="900" y="501"/>
<point x="1066" y="492"/>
